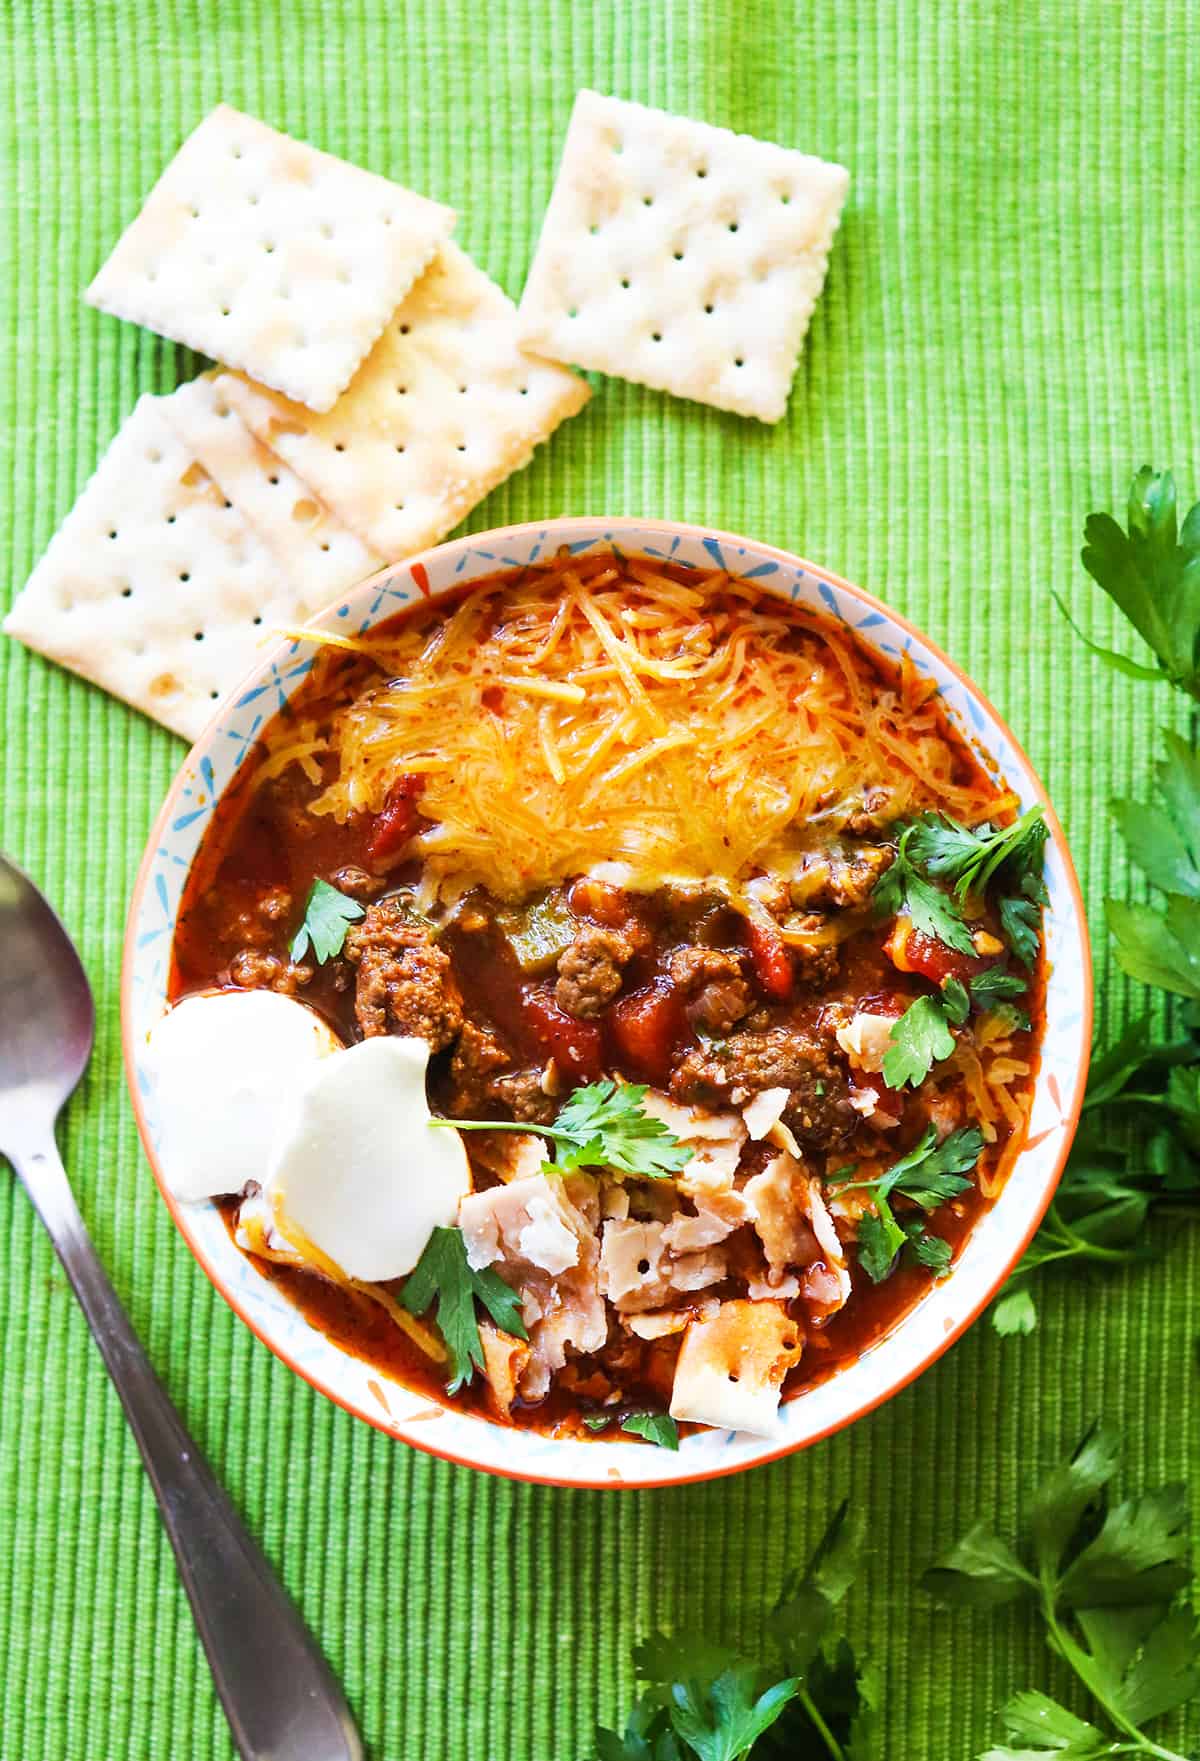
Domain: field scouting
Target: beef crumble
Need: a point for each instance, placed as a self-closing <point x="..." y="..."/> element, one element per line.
<point x="590" y="970"/>
<point x="729" y="1073"/>
<point x="404" y="985"/>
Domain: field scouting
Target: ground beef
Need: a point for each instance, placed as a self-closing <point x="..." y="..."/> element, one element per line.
<point x="730" y="1073"/>
<point x="404" y="981"/>
<point x="253" y="970"/>
<point x="357" y="882"/>
<point x="258" y="926"/>
<point x="844" y="879"/>
<point x="814" y="965"/>
<point x="483" y="1078"/>
<point x="716" y="987"/>
<point x="589" y="970"/>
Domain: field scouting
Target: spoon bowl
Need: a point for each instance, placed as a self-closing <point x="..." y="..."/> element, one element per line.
<point x="47" y="1017"/>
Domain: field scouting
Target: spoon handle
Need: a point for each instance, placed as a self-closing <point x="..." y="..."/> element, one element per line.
<point x="281" y="1701"/>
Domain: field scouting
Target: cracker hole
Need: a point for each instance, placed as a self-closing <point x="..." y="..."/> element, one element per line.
<point x="710" y="308"/>
<point x="399" y="507"/>
<point x="593" y="230"/>
<point x="228" y="504"/>
<point x="214" y="693"/>
<point x="789" y="1345"/>
<point x="339" y="446"/>
<point x="399" y="448"/>
<point x="268" y="249"/>
<point x="197" y="635"/>
<point x="258" y="620"/>
<point x="404" y="329"/>
<point x="402" y="391"/>
<point x="195" y="213"/>
<point x="462" y="391"/>
<point x="224" y="311"/>
<point x="273" y="480"/>
<point x="326" y="230"/>
<point x="785" y="200"/>
<point x="624" y="281"/>
<point x="702" y="171"/>
<point x="647" y="201"/>
<point x="656" y="335"/>
<point x="618" y="146"/>
<point x="738" y="361"/>
<point x="460" y="447"/>
<point x="154" y="456"/>
<point x="679" y="256"/>
<point x="324" y="547"/>
<point x="184" y="575"/>
<point x="733" y="226"/>
<point x="113" y="534"/>
<point x="253" y="201"/>
<point x="127" y="593"/>
<point x="524" y="391"/>
<point x="733" y="1375"/>
<point x="643" y="1267"/>
<point x="237" y="152"/>
<point x="572" y="312"/>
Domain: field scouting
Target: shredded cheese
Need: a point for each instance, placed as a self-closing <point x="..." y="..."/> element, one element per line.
<point x="598" y="710"/>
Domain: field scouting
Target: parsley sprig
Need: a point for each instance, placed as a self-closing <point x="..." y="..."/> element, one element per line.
<point x="603" y="1125"/>
<point x="1163" y="947"/>
<point x="328" y="914"/>
<point x="1137" y="1151"/>
<point x="1110" y="1583"/>
<point x="806" y="1694"/>
<point x="936" y="848"/>
<point x="443" y="1275"/>
<point x="1152" y="572"/>
<point x="929" y="1175"/>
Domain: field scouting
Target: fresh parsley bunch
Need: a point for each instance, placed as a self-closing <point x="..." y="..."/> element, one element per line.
<point x="1111" y="1583"/>
<point x="1163" y="947"/>
<point x="805" y="1696"/>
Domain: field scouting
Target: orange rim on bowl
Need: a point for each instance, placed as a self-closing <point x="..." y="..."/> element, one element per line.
<point x="923" y="1334"/>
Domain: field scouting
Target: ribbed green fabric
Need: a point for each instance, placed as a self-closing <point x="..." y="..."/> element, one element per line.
<point x="1011" y="325"/>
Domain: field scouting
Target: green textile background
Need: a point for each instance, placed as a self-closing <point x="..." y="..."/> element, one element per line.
<point x="1011" y="324"/>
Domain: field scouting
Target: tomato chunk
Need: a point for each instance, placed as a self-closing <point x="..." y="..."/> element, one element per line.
<point x="911" y="950"/>
<point x="574" y="1045"/>
<point x="770" y="958"/>
<point x="397" y="821"/>
<point x="646" y="1027"/>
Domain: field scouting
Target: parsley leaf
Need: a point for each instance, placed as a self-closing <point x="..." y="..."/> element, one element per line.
<point x="803" y="1694"/>
<point x="956" y="1003"/>
<point x="1159" y="947"/>
<point x="929" y="1174"/>
<point x="903" y="891"/>
<point x="879" y="1240"/>
<point x="918" y="1040"/>
<point x="655" y="1427"/>
<point x="1020" y="919"/>
<point x="972" y="859"/>
<point x="1108" y="1583"/>
<point x="328" y="914"/>
<point x="603" y="1125"/>
<point x="996" y="986"/>
<point x="930" y="1251"/>
<point x="1152" y="572"/>
<point x="443" y="1274"/>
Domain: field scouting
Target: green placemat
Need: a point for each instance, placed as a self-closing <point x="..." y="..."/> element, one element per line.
<point x="1011" y="323"/>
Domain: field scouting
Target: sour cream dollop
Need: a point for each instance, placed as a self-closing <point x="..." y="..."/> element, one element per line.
<point x="357" y="1170"/>
<point x="224" y="1067"/>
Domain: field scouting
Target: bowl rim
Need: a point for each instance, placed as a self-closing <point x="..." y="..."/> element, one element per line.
<point x="612" y="526"/>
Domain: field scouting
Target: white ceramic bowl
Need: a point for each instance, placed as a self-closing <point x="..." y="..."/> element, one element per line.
<point x="997" y="1242"/>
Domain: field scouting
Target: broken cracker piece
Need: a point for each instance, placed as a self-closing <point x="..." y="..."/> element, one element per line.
<point x="681" y="256"/>
<point x="445" y="407"/>
<point x="270" y="256"/>
<point x="299" y="531"/>
<point x="154" y="586"/>
<point x="731" y="1368"/>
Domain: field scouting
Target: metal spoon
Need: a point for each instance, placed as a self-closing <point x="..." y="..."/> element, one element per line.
<point x="281" y="1701"/>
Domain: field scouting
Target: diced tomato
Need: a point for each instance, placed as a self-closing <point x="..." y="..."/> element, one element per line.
<point x="574" y="1045"/>
<point x="770" y="958"/>
<point x="602" y="903"/>
<point x="646" y="1027"/>
<point x="397" y="822"/>
<point x="911" y="950"/>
